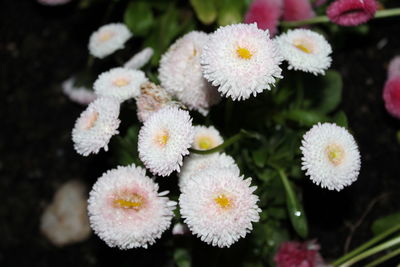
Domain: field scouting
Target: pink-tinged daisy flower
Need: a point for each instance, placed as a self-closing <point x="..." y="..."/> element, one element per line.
<point x="206" y="138"/>
<point x="53" y="2"/>
<point x="305" y="50"/>
<point x="96" y="125"/>
<point x="120" y="83"/>
<point x="151" y="99"/>
<point x="266" y="14"/>
<point x="180" y="73"/>
<point x="65" y="220"/>
<point x="391" y="96"/>
<point x="330" y="156"/>
<point x="351" y="12"/>
<point x="108" y="39"/>
<point x="195" y="164"/>
<point x="80" y="95"/>
<point x="296" y="254"/>
<point x="394" y="68"/>
<point x="164" y="139"/>
<point x="140" y="59"/>
<point x="219" y="206"/>
<point x="126" y="210"/>
<point x="297" y="10"/>
<point x="241" y="60"/>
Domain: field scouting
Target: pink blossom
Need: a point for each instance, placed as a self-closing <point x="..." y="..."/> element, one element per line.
<point x="297" y="254"/>
<point x="53" y="2"/>
<point x="391" y="96"/>
<point x="394" y="68"/>
<point x="266" y="14"/>
<point x="351" y="12"/>
<point x="297" y="10"/>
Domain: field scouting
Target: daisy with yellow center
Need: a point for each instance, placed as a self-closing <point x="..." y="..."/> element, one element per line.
<point x="219" y="206"/>
<point x="126" y="210"/>
<point x="164" y="139"/>
<point x="108" y="38"/>
<point x="330" y="156"/>
<point x="206" y="138"/>
<point x="241" y="60"/>
<point x="96" y="125"/>
<point x="305" y="50"/>
<point x="120" y="83"/>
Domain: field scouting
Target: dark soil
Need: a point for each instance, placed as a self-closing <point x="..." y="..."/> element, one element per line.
<point x="42" y="46"/>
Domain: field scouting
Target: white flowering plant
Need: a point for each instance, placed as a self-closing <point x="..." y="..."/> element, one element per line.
<point x="197" y="113"/>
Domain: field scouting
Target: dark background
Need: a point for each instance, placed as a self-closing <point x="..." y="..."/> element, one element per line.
<point x="42" y="46"/>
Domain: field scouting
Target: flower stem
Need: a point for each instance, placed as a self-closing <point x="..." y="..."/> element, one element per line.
<point x="228" y="142"/>
<point x="324" y="19"/>
<point x="367" y="245"/>
<point x="384" y="258"/>
<point x="365" y="254"/>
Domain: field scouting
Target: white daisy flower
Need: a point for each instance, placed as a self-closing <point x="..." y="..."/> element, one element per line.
<point x="206" y="138"/>
<point x="180" y="73"/>
<point x="151" y="99"/>
<point x="195" y="164"/>
<point x="305" y="50"/>
<point x="140" y="59"/>
<point x="126" y="210"/>
<point x="95" y="126"/>
<point x="108" y="38"/>
<point x="330" y="156"/>
<point x="80" y="95"/>
<point x="242" y="60"/>
<point x="120" y="83"/>
<point x="164" y="139"/>
<point x="219" y="206"/>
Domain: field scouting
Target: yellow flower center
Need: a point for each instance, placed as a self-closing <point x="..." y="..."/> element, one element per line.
<point x="335" y="154"/>
<point x="91" y="120"/>
<point x="205" y="142"/>
<point x="105" y="36"/>
<point x="121" y="82"/>
<point x="162" y="138"/>
<point x="223" y="201"/>
<point x="304" y="45"/>
<point x="243" y="53"/>
<point x="129" y="201"/>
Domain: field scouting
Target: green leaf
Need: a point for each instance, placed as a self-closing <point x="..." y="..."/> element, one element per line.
<point x="139" y="17"/>
<point x="230" y="11"/>
<point x="182" y="257"/>
<point x="260" y="157"/>
<point x="341" y="119"/>
<point x="205" y="10"/>
<point x="305" y="117"/>
<point x="331" y="91"/>
<point x="295" y="209"/>
<point x="382" y="224"/>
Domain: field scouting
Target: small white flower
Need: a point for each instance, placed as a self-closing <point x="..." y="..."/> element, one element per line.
<point x="151" y="99"/>
<point x="305" y="50"/>
<point x="80" y="95"/>
<point x="126" y="210"/>
<point x="206" y="138"/>
<point x="164" y="139"/>
<point x="242" y="60"/>
<point x="219" y="206"/>
<point x="195" y="164"/>
<point x="108" y="38"/>
<point x="140" y="59"/>
<point x="180" y="229"/>
<point x="181" y="75"/>
<point x="120" y="83"/>
<point x="95" y="126"/>
<point x="330" y="156"/>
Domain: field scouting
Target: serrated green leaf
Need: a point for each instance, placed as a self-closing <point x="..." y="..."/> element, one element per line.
<point x="383" y="224"/>
<point x="205" y="10"/>
<point x="139" y="17"/>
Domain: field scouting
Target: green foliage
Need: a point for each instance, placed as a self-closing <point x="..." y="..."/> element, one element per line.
<point x="383" y="224"/>
<point x="230" y="11"/>
<point x="139" y="17"/>
<point x="182" y="257"/>
<point x="126" y="147"/>
<point x="206" y="10"/>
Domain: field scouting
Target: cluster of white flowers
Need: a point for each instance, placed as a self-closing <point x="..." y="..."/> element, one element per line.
<point x="216" y="202"/>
